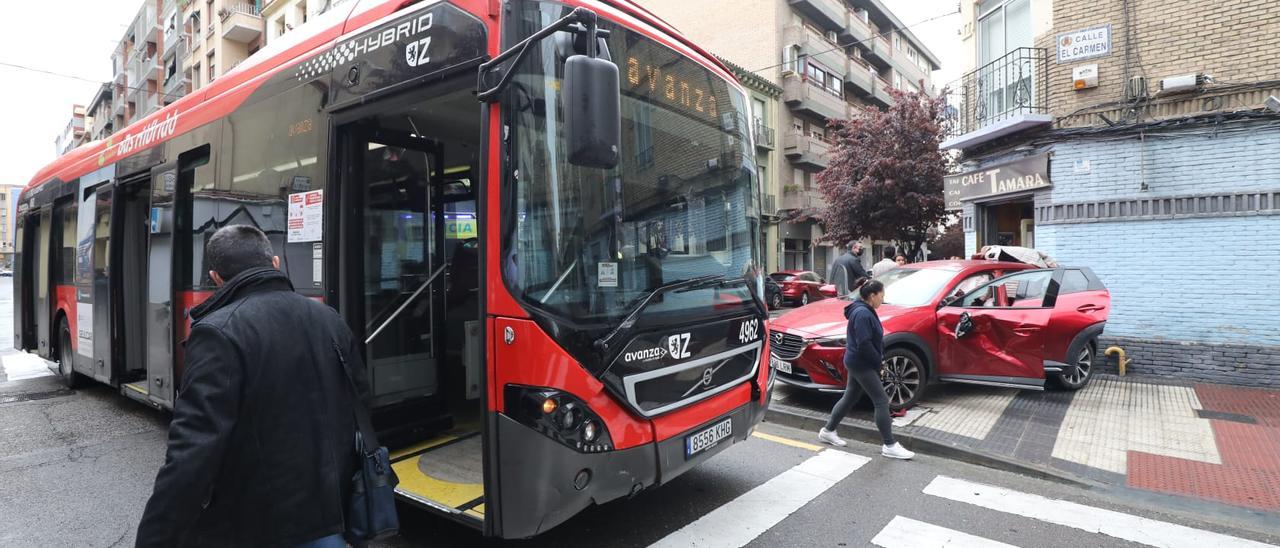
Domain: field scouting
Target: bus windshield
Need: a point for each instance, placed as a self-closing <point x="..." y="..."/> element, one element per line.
<point x="590" y="244"/>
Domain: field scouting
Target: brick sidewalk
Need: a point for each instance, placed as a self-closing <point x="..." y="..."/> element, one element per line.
<point x="1211" y="442"/>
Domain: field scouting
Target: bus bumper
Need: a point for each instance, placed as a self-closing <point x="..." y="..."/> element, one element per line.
<point x="541" y="480"/>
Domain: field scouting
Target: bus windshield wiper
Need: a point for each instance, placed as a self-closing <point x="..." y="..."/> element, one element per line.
<point x="602" y="344"/>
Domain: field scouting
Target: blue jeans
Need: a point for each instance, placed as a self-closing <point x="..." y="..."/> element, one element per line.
<point x="331" y="541"/>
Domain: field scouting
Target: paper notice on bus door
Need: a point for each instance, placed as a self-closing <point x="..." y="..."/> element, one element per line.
<point x="306" y="216"/>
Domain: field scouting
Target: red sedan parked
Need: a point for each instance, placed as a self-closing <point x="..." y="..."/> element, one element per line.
<point x="981" y="322"/>
<point x="799" y="286"/>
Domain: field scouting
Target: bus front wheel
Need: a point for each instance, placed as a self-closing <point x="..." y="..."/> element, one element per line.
<point x="66" y="356"/>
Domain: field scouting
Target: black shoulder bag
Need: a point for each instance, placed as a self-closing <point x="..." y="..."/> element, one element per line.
<point x="371" y="510"/>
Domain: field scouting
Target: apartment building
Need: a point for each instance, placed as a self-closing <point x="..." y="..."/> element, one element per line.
<point x="764" y="97"/>
<point x="136" y="65"/>
<point x="70" y="136"/>
<point x="1139" y="139"/>
<point x="284" y="16"/>
<point x="831" y="58"/>
<point x="8" y="213"/>
<point x="99" y="121"/>
<point x="218" y="34"/>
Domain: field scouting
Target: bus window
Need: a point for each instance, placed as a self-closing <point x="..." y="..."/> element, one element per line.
<point x="274" y="150"/>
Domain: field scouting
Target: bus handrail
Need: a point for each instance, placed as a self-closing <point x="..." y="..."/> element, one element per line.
<point x="406" y="303"/>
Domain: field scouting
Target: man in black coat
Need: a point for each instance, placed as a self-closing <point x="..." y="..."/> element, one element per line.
<point x="847" y="269"/>
<point x="261" y="447"/>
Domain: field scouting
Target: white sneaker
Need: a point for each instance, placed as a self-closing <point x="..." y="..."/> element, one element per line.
<point x="896" y="451"/>
<point x="827" y="436"/>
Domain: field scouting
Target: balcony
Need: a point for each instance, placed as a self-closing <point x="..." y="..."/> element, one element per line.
<point x="880" y="95"/>
<point x="855" y="30"/>
<point x="815" y="46"/>
<point x="828" y="13"/>
<point x="1005" y="96"/>
<point x="143" y="69"/>
<point x="878" y="50"/>
<point x="804" y="97"/>
<point x="763" y="135"/>
<point x="804" y="200"/>
<point x="175" y="86"/>
<point x="858" y="79"/>
<point x="145" y="104"/>
<point x="806" y="151"/>
<point x="241" y="22"/>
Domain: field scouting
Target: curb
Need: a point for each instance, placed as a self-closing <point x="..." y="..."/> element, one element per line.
<point x="777" y="414"/>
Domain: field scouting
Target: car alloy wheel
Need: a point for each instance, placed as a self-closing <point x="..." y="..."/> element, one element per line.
<point x="903" y="378"/>
<point x="804" y="298"/>
<point x="1078" y="376"/>
<point x="776" y="302"/>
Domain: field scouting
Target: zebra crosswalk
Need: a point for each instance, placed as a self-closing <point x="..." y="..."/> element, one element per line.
<point x="1025" y="519"/>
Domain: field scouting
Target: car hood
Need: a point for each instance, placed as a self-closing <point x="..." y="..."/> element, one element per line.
<point x="825" y="318"/>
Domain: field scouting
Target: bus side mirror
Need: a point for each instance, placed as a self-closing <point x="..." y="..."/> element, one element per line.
<point x="593" y="112"/>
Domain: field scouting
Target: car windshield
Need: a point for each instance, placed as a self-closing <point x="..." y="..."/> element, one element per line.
<point x="913" y="286"/>
<point x="590" y="244"/>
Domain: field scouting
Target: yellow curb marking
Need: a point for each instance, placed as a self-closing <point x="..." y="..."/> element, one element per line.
<point x="787" y="441"/>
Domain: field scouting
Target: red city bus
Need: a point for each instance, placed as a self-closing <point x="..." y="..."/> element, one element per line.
<point x="558" y="284"/>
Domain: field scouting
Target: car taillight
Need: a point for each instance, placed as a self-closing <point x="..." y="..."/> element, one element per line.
<point x="558" y="415"/>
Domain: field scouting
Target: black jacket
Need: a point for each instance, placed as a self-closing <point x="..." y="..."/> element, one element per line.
<point x="261" y="445"/>
<point x="864" y="338"/>
<point x="846" y="270"/>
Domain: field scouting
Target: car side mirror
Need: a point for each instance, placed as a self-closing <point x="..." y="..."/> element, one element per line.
<point x="593" y="111"/>
<point x="949" y="300"/>
<point x="964" y="326"/>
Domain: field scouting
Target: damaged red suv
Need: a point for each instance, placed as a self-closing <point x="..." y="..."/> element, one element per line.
<point x="981" y="322"/>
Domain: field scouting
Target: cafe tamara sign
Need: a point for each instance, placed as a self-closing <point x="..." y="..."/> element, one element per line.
<point x="1030" y="173"/>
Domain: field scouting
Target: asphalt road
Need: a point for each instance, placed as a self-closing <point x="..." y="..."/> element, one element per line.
<point x="77" y="467"/>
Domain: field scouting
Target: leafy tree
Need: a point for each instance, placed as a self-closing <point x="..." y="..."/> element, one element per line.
<point x="949" y="243"/>
<point x="884" y="177"/>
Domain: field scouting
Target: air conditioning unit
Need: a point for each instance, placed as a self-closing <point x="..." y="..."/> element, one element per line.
<point x="1185" y="82"/>
<point x="1136" y="88"/>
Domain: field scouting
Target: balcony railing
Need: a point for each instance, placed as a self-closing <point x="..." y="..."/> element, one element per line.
<point x="807" y="151"/>
<point x="1010" y="86"/>
<point x="806" y="200"/>
<point x="241" y="22"/>
<point x="764" y="135"/>
<point x="239" y="7"/>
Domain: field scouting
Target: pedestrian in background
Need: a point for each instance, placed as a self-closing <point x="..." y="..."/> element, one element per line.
<point x="261" y="446"/>
<point x="863" y="352"/>
<point x="847" y="270"/>
<point x="900" y="260"/>
<point x="886" y="264"/>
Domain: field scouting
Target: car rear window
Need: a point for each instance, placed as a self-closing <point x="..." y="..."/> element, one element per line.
<point x="1074" y="281"/>
<point x="780" y="277"/>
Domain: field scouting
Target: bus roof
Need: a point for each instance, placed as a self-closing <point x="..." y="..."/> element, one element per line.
<point x="224" y="94"/>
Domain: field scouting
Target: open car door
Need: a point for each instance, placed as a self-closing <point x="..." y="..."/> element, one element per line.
<point x="996" y="333"/>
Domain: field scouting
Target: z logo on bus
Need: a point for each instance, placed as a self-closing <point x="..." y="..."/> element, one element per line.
<point x="678" y="346"/>
<point x="417" y="53"/>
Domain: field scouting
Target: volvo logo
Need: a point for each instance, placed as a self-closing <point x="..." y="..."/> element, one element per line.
<point x="704" y="382"/>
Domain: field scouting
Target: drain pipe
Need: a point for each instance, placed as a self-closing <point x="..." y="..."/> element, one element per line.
<point x="1121" y="360"/>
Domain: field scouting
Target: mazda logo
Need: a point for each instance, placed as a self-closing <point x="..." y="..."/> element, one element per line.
<point x="777" y="337"/>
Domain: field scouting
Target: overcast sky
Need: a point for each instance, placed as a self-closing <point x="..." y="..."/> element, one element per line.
<point x="77" y="39"/>
<point x="74" y="38"/>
